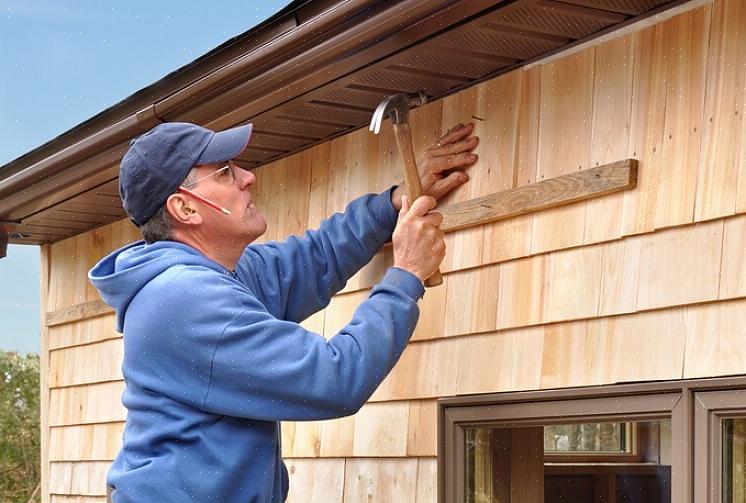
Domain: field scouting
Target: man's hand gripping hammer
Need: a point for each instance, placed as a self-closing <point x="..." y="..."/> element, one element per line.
<point x="396" y="108"/>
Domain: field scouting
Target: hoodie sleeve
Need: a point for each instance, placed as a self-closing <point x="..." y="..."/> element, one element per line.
<point x="296" y="278"/>
<point x="230" y="356"/>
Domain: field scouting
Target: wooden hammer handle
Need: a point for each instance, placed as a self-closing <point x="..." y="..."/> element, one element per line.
<point x="412" y="179"/>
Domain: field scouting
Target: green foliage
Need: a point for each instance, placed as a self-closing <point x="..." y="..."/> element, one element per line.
<point x="19" y="427"/>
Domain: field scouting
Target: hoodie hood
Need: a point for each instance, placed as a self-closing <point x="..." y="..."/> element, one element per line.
<point x="120" y="276"/>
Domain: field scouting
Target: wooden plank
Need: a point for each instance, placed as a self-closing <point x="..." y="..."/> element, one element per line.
<point x="566" y="99"/>
<point x="680" y="266"/>
<point x="77" y="312"/>
<point x="520" y="299"/>
<point x="647" y="126"/>
<point x="422" y="436"/>
<point x="316" y="480"/>
<point x="337" y="437"/>
<point x="733" y="268"/>
<point x="507" y="239"/>
<point x="722" y="148"/>
<point x="59" y="498"/>
<point x="97" y="442"/>
<point x="715" y="339"/>
<point x="573" y="279"/>
<point x="525" y="349"/>
<point x="620" y="276"/>
<point x="471" y="303"/>
<point x="361" y="480"/>
<point x="88" y="364"/>
<point x="397" y="479"/>
<point x="687" y="42"/>
<point x="572" y="356"/>
<point x="558" y="191"/>
<point x="610" y="131"/>
<point x="292" y="217"/>
<point x="427" y="480"/>
<point x="79" y="478"/>
<point x="482" y="364"/>
<point x="88" y="404"/>
<point x="645" y="347"/>
<point x="381" y="430"/>
<point x="84" y="331"/>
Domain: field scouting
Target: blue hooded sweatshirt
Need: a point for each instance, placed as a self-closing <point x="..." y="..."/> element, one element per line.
<point x="214" y="359"/>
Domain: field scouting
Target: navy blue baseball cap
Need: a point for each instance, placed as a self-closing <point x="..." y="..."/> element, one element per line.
<point x="158" y="161"/>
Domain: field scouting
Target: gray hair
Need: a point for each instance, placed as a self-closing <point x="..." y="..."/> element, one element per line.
<point x="158" y="227"/>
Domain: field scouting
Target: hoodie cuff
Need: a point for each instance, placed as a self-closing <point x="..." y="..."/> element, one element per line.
<point x="404" y="281"/>
<point x="383" y="210"/>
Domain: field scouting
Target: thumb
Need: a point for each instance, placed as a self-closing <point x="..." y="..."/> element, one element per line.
<point x="404" y="206"/>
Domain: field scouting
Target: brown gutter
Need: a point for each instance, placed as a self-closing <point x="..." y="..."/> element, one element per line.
<point x="31" y="183"/>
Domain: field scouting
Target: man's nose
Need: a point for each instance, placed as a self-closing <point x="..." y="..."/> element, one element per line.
<point x="245" y="178"/>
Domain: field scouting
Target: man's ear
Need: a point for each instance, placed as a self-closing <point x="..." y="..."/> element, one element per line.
<point x="182" y="210"/>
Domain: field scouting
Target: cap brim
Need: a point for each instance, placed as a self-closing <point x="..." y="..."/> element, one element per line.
<point x="226" y="145"/>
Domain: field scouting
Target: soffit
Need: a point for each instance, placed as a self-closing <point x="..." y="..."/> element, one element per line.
<point x="456" y="55"/>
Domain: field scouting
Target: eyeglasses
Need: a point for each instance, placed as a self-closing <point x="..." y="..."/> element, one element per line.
<point x="224" y="172"/>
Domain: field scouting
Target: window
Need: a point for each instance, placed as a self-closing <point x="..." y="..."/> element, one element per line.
<point x="681" y="441"/>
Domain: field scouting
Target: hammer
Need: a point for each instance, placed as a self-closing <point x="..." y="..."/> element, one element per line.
<point x="396" y="107"/>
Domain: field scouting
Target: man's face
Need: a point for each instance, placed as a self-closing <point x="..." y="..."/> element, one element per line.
<point x="228" y="187"/>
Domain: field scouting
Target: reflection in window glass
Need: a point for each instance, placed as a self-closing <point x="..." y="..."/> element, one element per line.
<point x="588" y="437"/>
<point x="734" y="461"/>
<point x="579" y="463"/>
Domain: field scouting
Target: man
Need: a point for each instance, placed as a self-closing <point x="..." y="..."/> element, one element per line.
<point x="214" y="357"/>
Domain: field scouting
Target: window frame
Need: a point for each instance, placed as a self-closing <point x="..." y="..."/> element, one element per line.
<point x="674" y="400"/>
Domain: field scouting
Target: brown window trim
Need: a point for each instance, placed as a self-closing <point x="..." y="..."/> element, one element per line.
<point x="710" y="408"/>
<point x="639" y="401"/>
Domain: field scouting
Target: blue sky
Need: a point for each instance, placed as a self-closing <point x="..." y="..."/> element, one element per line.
<point x="63" y="62"/>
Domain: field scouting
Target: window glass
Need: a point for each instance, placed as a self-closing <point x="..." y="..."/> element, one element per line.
<point x="734" y="460"/>
<point x="590" y="462"/>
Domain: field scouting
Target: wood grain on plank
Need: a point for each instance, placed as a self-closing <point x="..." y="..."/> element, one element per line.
<point x="87" y="404"/>
<point x="725" y="93"/>
<point x="81" y="479"/>
<point x="471" y="300"/>
<point x="87" y="364"/>
<point x="423" y="420"/>
<point x="687" y="56"/>
<point x="610" y="132"/>
<point x="733" y="269"/>
<point x="647" y="126"/>
<point x="381" y="430"/>
<point x="96" y="442"/>
<point x="84" y="331"/>
<point x="561" y="190"/>
<point x="316" y="480"/>
<point x="620" y="276"/>
<point x="680" y="266"/>
<point x="564" y="143"/>
<point x="78" y="312"/>
<point x="715" y="339"/>
<point x="573" y="284"/>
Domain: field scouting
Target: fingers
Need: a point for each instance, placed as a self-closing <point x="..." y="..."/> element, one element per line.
<point x="404" y="206"/>
<point x="452" y="161"/>
<point x="449" y="183"/>
<point x="434" y="219"/>
<point x="456" y="147"/>
<point x="456" y="133"/>
<point x="421" y="206"/>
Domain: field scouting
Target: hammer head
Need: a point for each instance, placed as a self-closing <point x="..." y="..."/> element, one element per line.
<point x="396" y="107"/>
